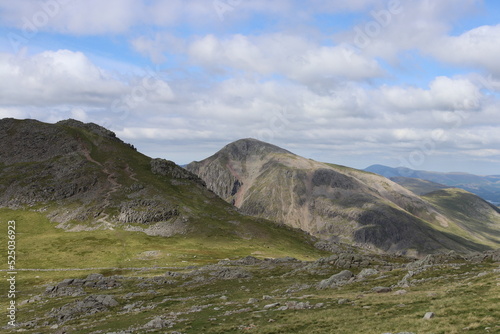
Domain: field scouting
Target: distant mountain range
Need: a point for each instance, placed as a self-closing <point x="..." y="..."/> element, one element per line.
<point x="338" y="203"/>
<point x="487" y="187"/>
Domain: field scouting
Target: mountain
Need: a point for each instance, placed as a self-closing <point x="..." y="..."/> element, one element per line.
<point x="83" y="178"/>
<point x="487" y="187"/>
<point x="336" y="203"/>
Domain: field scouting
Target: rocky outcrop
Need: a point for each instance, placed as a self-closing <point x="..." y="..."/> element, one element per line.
<point x="90" y="305"/>
<point x="146" y="212"/>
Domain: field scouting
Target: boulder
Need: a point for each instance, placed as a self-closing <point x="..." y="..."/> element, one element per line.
<point x="429" y="315"/>
<point x="336" y="280"/>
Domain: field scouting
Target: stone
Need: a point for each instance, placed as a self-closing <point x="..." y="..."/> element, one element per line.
<point x="158" y="323"/>
<point x="381" y="289"/>
<point x="268" y="306"/>
<point x="400" y="292"/>
<point x="343" y="301"/>
<point x="367" y="272"/>
<point x="252" y="301"/>
<point x="230" y="273"/>
<point x="429" y="315"/>
<point x="94" y="277"/>
<point x="336" y="280"/>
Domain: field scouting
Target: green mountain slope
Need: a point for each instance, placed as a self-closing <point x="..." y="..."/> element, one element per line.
<point x="418" y="186"/>
<point x="471" y="214"/>
<point x="78" y="177"/>
<point x="487" y="187"/>
<point x="332" y="202"/>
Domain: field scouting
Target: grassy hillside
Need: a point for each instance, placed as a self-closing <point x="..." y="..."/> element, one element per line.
<point x="418" y="186"/>
<point x="40" y="245"/>
<point x="470" y="214"/>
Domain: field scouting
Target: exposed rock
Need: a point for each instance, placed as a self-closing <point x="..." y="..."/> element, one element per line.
<point x="146" y="212"/>
<point x="366" y="272"/>
<point x="336" y="280"/>
<point x="59" y="291"/>
<point x="159" y="323"/>
<point x="230" y="273"/>
<point x="269" y="306"/>
<point x="429" y="315"/>
<point x="88" y="306"/>
<point x="381" y="289"/>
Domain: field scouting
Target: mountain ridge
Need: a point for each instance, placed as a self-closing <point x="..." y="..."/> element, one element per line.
<point x="329" y="201"/>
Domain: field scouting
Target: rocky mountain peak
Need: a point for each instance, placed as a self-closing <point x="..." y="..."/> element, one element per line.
<point x="241" y="149"/>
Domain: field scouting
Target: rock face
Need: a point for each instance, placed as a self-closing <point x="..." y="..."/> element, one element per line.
<point x="334" y="203"/>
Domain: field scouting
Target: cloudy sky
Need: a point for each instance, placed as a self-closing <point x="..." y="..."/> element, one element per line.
<point x="411" y="83"/>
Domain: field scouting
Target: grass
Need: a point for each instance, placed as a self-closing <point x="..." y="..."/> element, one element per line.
<point x="41" y="245"/>
<point x="468" y="304"/>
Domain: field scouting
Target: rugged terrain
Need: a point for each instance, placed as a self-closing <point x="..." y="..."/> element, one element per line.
<point x="111" y="241"/>
<point x="338" y="203"/>
<point x="341" y="293"/>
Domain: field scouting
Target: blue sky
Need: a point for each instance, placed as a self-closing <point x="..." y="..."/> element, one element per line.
<point x="398" y="82"/>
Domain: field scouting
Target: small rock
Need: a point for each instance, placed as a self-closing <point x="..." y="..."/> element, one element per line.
<point x="94" y="277"/>
<point x="223" y="298"/>
<point x="429" y="315"/>
<point x="268" y="306"/>
<point x="343" y="301"/>
<point x="158" y="323"/>
<point x="252" y="301"/>
<point x="367" y="272"/>
<point x="381" y="289"/>
<point x="400" y="292"/>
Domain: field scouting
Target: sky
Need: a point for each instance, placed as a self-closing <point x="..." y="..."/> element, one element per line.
<point x="412" y="83"/>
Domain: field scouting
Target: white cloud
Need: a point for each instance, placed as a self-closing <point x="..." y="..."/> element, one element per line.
<point x="443" y="94"/>
<point x="478" y="48"/>
<point x="54" y="77"/>
<point x="290" y="56"/>
<point x="67" y="78"/>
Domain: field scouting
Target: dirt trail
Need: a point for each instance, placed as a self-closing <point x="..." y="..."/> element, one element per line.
<point x="130" y="173"/>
